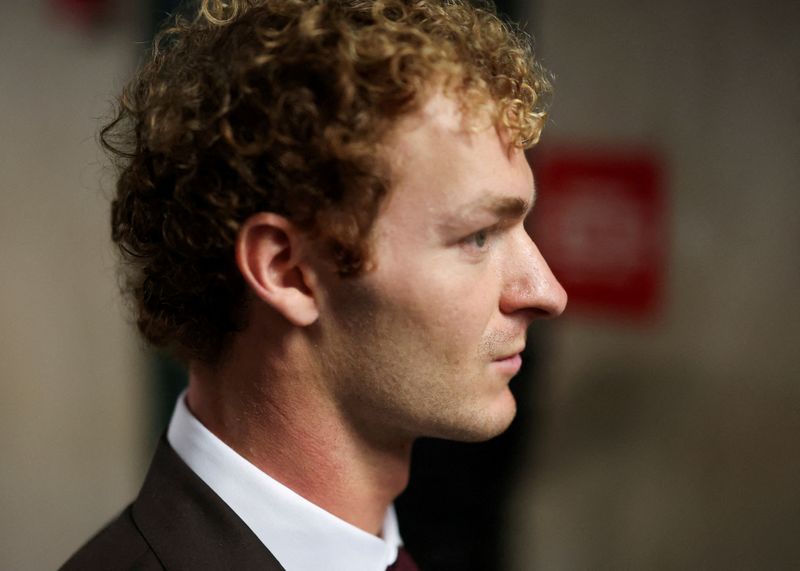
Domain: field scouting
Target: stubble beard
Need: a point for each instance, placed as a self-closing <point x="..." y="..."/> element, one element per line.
<point x="396" y="388"/>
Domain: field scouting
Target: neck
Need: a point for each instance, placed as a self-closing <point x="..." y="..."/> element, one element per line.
<point x="280" y="419"/>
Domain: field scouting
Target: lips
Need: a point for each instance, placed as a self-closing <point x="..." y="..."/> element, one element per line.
<point x="509" y="364"/>
<point x="511" y="355"/>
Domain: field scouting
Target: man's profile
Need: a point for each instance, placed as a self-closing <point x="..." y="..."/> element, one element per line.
<point x="320" y="210"/>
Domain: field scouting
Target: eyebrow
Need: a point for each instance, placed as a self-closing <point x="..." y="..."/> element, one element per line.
<point x="507" y="207"/>
<point x="502" y="207"/>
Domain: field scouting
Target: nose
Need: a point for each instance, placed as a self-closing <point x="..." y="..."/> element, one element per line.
<point x="529" y="284"/>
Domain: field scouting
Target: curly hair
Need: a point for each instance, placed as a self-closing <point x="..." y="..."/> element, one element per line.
<point x="280" y="106"/>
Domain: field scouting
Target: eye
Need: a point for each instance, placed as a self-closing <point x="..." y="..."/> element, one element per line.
<point x="480" y="238"/>
<point x="478" y="242"/>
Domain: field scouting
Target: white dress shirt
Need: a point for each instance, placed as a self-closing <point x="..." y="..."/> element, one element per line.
<point x="301" y="535"/>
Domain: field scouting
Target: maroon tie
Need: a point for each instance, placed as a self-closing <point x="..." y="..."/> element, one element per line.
<point x="404" y="562"/>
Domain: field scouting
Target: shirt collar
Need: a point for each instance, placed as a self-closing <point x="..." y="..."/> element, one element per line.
<point x="301" y="535"/>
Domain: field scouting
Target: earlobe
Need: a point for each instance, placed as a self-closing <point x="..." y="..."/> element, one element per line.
<point x="269" y="257"/>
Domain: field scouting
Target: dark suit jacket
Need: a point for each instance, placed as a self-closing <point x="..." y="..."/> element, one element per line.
<point x="176" y="523"/>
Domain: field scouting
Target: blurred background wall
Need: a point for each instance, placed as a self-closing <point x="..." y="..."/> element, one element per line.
<point x="670" y="444"/>
<point x="72" y="399"/>
<point x="673" y="444"/>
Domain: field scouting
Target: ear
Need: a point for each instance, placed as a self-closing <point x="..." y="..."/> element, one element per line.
<point x="269" y="257"/>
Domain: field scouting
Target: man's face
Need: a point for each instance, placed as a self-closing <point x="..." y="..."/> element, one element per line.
<point x="426" y="343"/>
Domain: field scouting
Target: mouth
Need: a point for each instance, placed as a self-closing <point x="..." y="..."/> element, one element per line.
<point x="509" y="363"/>
<point x="511" y="354"/>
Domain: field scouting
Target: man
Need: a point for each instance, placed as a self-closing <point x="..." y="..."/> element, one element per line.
<point x="321" y="208"/>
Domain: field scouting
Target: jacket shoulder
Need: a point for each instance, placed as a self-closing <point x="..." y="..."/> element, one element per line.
<point x="119" y="545"/>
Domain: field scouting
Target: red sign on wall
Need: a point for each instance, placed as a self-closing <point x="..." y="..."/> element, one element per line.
<point x="85" y="13"/>
<point x="600" y="223"/>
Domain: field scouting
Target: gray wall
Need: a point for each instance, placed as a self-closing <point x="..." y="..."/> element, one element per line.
<point x="674" y="445"/>
<point x="71" y="396"/>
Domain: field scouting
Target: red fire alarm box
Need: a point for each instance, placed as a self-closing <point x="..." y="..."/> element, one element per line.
<point x="600" y="223"/>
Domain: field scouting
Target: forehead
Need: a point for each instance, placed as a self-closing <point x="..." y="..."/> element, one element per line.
<point x="442" y="162"/>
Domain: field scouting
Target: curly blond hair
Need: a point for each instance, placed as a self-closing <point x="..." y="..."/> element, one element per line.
<point x="280" y="105"/>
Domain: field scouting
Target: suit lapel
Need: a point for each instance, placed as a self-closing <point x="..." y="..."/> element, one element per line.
<point x="188" y="526"/>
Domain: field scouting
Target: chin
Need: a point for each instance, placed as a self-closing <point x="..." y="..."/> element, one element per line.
<point x="482" y="424"/>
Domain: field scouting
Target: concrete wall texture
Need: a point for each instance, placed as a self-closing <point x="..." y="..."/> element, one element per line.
<point x="71" y="396"/>
<point x="673" y="445"/>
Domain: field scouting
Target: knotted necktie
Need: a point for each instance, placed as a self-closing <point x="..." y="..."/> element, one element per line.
<point x="404" y="562"/>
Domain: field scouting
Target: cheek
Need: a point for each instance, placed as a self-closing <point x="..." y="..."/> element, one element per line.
<point x="447" y="315"/>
